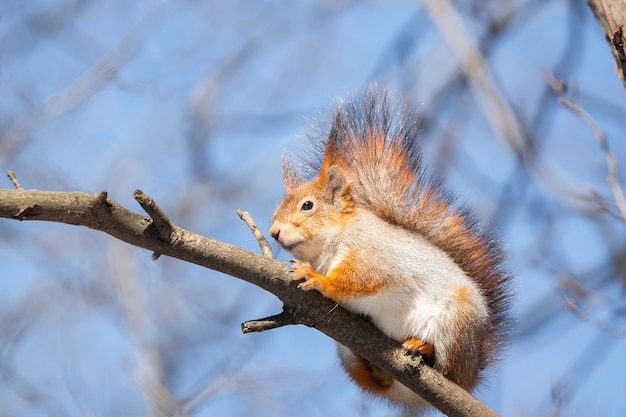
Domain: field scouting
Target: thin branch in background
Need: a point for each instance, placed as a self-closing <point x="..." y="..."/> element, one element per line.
<point x="559" y="396"/>
<point x="572" y="305"/>
<point x="573" y="292"/>
<point x="494" y="105"/>
<point x="82" y="88"/>
<point x="160" y="402"/>
<point x="497" y="110"/>
<point x="257" y="387"/>
<point x="560" y="87"/>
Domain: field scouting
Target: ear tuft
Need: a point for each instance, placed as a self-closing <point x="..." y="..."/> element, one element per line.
<point x="291" y="177"/>
<point x="335" y="185"/>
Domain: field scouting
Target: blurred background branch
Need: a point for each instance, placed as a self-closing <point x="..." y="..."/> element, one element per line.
<point x="612" y="17"/>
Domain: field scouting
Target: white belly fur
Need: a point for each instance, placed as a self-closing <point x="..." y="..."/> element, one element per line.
<point x="423" y="302"/>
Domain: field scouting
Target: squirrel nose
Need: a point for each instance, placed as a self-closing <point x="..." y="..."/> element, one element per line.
<point x="275" y="232"/>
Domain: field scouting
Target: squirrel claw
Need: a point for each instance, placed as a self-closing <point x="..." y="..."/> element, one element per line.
<point x="304" y="270"/>
<point x="309" y="285"/>
<point x="301" y="269"/>
<point x="416" y="346"/>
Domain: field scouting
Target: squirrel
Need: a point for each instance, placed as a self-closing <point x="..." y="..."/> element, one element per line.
<point x="383" y="239"/>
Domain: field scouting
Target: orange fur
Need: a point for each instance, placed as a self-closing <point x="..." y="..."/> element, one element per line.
<point x="343" y="282"/>
<point x="369" y="376"/>
<point x="371" y="164"/>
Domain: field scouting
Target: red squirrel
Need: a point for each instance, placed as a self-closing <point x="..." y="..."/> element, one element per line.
<point x="376" y="234"/>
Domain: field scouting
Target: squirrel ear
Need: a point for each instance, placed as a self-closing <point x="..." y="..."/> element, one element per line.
<point x="335" y="185"/>
<point x="291" y="178"/>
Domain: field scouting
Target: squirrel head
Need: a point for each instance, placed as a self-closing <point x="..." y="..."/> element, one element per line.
<point x="308" y="219"/>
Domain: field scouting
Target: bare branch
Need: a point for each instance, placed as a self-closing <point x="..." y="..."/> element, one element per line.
<point x="161" y="223"/>
<point x="308" y="308"/>
<point x="149" y="366"/>
<point x="82" y="88"/>
<point x="560" y="87"/>
<point x="611" y="15"/>
<point x="574" y="294"/>
<point x="283" y="319"/>
<point x="494" y="106"/>
<point x="263" y="243"/>
<point x="497" y="110"/>
<point x="573" y="306"/>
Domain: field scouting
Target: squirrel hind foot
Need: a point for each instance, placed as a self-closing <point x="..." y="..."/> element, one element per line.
<point x="417" y="346"/>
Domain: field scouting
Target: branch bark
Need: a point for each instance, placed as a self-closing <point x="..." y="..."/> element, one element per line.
<point x="612" y="17"/>
<point x="97" y="211"/>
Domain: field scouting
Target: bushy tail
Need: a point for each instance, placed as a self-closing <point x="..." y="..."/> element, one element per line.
<point x="375" y="143"/>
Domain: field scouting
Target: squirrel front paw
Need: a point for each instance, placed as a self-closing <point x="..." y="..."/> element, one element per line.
<point x="304" y="270"/>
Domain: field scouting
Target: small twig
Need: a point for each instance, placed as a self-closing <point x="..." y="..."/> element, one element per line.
<point x="573" y="293"/>
<point x="263" y="243"/>
<point x="272" y="322"/>
<point x="160" y="221"/>
<point x="560" y="87"/>
<point x="158" y="216"/>
<point x="572" y="305"/>
<point x="11" y="175"/>
<point x="103" y="198"/>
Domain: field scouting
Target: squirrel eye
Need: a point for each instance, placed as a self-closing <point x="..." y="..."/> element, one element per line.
<point x="307" y="205"/>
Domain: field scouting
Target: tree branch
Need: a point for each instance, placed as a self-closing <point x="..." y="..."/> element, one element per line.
<point x="612" y="17"/>
<point x="283" y="318"/>
<point x="97" y="211"/>
<point x="266" y="250"/>
<point x="570" y="103"/>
